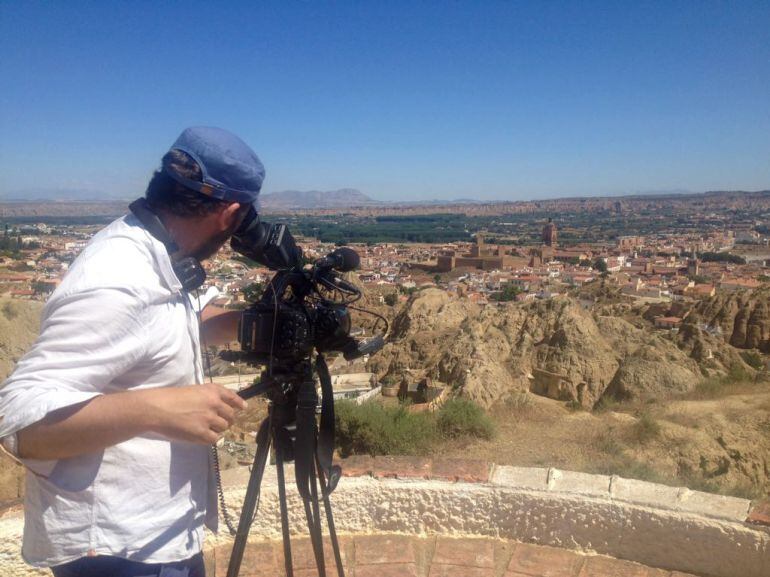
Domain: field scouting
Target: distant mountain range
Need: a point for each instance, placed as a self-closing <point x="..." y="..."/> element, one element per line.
<point x="281" y="200"/>
<point x="308" y="199"/>
<point x="61" y="202"/>
<point x="342" y="198"/>
<point x="61" y="195"/>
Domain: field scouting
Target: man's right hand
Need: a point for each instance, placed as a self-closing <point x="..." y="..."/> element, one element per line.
<point x="196" y="414"/>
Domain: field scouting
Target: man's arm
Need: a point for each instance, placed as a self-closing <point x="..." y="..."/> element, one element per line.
<point x="197" y="414"/>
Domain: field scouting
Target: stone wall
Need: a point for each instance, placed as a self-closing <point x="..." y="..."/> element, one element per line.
<point x="673" y="528"/>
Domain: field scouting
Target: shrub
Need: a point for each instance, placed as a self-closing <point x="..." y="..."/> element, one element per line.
<point x="709" y="389"/>
<point x="508" y="293"/>
<point x="10" y="310"/>
<point x="646" y="428"/>
<point x="753" y="359"/>
<point x="464" y="418"/>
<point x="606" y="442"/>
<point x="374" y="429"/>
<point x="377" y="430"/>
<point x="574" y="406"/>
<point x="737" y="380"/>
<point x="519" y="402"/>
<point x="738" y="373"/>
<point x="606" y="404"/>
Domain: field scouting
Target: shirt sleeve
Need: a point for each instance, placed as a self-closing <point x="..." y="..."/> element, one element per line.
<point x="86" y="340"/>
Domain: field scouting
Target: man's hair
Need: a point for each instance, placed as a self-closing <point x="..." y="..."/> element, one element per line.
<point x="165" y="193"/>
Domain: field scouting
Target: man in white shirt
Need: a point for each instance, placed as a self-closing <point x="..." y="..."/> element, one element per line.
<point x="101" y="410"/>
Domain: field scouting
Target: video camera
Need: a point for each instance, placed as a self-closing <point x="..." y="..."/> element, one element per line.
<point x="302" y="308"/>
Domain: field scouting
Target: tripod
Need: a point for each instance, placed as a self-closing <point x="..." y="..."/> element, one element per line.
<point x="290" y="428"/>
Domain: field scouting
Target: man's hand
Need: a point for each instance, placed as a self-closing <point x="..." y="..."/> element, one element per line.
<point x="197" y="414"/>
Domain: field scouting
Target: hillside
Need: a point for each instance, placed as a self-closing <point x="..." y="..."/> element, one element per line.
<point x="655" y="405"/>
<point x="19" y="325"/>
<point x="555" y="348"/>
<point x="741" y="318"/>
<point x="596" y="390"/>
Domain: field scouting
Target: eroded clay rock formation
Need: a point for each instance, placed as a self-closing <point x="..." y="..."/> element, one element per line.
<point x="742" y="318"/>
<point x="552" y="347"/>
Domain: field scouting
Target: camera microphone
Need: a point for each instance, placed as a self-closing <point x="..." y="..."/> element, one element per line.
<point x="343" y="259"/>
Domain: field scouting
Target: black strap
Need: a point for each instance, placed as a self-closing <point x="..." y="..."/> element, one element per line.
<point x="305" y="440"/>
<point x="188" y="269"/>
<point x="152" y="223"/>
<point x="326" y="433"/>
<point x="310" y="441"/>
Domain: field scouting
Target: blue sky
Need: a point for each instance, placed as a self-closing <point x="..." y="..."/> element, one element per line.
<point x="404" y="101"/>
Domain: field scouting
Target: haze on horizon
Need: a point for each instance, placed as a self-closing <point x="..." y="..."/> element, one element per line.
<point x="492" y="101"/>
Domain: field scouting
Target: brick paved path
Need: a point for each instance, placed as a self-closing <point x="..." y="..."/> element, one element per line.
<point x="402" y="556"/>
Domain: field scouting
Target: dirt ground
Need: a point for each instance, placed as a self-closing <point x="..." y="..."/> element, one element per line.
<point x="718" y="445"/>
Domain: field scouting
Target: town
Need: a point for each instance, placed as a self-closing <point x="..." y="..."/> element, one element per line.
<point x="703" y="249"/>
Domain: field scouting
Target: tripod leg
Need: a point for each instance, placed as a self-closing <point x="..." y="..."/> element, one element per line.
<point x="314" y="523"/>
<point x="330" y="518"/>
<point x="284" y="510"/>
<point x="251" y="501"/>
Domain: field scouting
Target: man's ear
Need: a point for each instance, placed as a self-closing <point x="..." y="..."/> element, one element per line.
<point x="229" y="216"/>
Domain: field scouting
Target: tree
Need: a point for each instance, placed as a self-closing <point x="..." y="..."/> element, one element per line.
<point x="436" y="278"/>
<point x="509" y="293"/>
<point x="391" y="299"/>
<point x="600" y="264"/>
<point x="722" y="257"/>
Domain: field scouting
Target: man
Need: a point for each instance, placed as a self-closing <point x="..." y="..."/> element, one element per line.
<point x="100" y="410"/>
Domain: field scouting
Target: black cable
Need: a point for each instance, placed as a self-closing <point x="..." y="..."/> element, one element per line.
<point x="275" y="324"/>
<point x="214" y="453"/>
<point x="374" y="314"/>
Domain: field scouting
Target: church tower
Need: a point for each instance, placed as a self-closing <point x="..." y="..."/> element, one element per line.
<point x="550" y="233"/>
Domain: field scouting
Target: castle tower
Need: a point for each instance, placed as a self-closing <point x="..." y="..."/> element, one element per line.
<point x="550" y="233"/>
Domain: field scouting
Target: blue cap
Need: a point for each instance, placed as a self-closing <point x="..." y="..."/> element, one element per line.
<point x="231" y="170"/>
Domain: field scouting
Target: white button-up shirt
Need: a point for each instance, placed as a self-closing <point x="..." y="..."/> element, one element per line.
<point x="119" y="321"/>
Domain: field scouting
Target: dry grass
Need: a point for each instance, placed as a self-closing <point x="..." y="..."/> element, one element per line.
<point x="19" y="325"/>
<point x="607" y="404"/>
<point x="519" y="402"/>
<point x="645" y="429"/>
<point x="633" y="439"/>
<point x="607" y="441"/>
<point x="684" y="418"/>
<point x="735" y="383"/>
